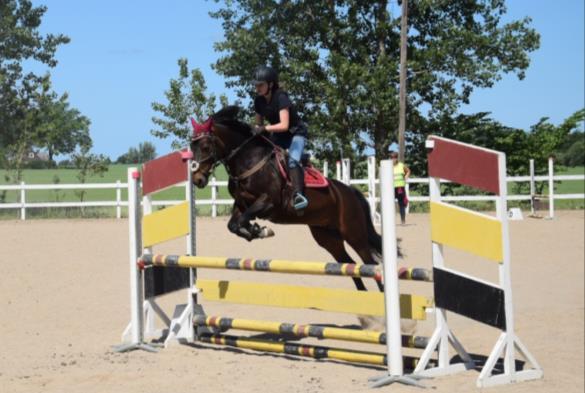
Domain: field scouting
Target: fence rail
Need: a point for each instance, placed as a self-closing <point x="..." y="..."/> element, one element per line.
<point x="343" y="169"/>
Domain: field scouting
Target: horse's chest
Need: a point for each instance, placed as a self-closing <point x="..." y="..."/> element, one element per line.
<point x="242" y="190"/>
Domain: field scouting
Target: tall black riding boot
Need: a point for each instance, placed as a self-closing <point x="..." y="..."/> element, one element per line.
<point x="299" y="201"/>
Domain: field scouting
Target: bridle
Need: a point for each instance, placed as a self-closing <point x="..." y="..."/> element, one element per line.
<point x="196" y="164"/>
<point x="204" y="131"/>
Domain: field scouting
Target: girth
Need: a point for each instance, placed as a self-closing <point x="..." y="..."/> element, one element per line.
<point x="255" y="168"/>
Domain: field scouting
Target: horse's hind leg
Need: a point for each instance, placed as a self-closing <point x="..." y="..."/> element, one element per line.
<point x="359" y="242"/>
<point x="331" y="240"/>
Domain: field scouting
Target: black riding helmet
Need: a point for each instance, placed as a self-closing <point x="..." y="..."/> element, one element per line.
<point x="266" y="74"/>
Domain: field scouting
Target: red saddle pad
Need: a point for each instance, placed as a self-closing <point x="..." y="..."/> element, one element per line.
<point x="314" y="178"/>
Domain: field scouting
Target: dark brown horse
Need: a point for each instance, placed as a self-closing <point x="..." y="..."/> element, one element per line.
<point x="335" y="214"/>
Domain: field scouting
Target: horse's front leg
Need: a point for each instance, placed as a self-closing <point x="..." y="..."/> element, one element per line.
<point x="240" y="221"/>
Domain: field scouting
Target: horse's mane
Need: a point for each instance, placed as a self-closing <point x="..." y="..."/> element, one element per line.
<point x="228" y="117"/>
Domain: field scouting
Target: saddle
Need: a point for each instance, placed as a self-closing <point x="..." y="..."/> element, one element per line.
<point x="313" y="178"/>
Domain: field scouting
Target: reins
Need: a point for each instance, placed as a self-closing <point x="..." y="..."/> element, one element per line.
<point x="226" y="160"/>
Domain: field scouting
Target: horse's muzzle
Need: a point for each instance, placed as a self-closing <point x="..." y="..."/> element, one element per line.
<point x="200" y="180"/>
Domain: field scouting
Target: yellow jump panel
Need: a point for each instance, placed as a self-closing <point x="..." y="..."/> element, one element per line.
<point x="467" y="230"/>
<point x="165" y="224"/>
<point x="325" y="299"/>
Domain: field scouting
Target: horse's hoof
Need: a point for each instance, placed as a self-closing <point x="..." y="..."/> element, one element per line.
<point x="266" y="232"/>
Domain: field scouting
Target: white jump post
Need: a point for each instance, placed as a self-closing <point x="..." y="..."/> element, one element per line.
<point x="172" y="169"/>
<point x="136" y="326"/>
<point x="484" y="236"/>
<point x="391" y="293"/>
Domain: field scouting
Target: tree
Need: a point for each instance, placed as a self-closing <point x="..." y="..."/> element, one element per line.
<point x="572" y="152"/>
<point x="342" y="71"/>
<point x="146" y="151"/>
<point x="186" y="97"/>
<point x="21" y="41"/>
<point x="547" y="139"/>
<point x="31" y="114"/>
<point x="58" y="128"/>
<point x="478" y="129"/>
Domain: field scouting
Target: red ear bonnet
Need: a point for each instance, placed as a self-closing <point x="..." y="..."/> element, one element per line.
<point x="201" y="129"/>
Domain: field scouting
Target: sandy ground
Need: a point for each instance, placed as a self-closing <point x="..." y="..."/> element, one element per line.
<point x="64" y="303"/>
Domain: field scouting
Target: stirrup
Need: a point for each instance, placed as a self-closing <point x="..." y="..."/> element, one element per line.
<point x="299" y="201"/>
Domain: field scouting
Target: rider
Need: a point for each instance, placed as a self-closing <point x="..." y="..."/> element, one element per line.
<point x="286" y="128"/>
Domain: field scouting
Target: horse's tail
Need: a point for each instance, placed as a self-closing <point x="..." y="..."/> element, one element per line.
<point x="374" y="239"/>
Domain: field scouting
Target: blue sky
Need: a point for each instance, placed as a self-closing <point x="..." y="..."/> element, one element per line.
<point x="123" y="53"/>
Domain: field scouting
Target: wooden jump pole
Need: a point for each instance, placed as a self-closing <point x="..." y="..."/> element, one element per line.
<point x="312" y="351"/>
<point x="297" y="330"/>
<point x="281" y="266"/>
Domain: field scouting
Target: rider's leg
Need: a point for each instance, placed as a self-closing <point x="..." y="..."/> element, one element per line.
<point x="295" y="151"/>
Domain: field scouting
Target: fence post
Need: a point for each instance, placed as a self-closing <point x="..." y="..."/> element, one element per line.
<point x="532" y="189"/>
<point x="213" y="197"/>
<point x="22" y="201"/>
<point x="551" y="189"/>
<point x="338" y="170"/>
<point x="325" y="169"/>
<point x="346" y="171"/>
<point x="118" y="200"/>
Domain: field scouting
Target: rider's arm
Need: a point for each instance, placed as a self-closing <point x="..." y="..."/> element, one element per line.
<point x="284" y="123"/>
<point x="406" y="172"/>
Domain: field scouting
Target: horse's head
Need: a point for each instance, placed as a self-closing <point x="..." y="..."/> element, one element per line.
<point x="217" y="140"/>
<point x="206" y="147"/>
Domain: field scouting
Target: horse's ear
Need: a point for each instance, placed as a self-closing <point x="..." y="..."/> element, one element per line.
<point x="199" y="129"/>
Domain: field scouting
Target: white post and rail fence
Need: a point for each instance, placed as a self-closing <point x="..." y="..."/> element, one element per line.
<point x="342" y="173"/>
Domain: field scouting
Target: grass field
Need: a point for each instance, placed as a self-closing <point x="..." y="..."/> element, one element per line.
<point x="119" y="173"/>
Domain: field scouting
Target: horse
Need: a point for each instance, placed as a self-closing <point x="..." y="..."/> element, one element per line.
<point x="335" y="214"/>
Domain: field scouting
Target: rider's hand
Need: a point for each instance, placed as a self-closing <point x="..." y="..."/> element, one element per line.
<point x="257" y="130"/>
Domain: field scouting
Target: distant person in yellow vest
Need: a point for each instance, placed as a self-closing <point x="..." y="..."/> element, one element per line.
<point x="401" y="174"/>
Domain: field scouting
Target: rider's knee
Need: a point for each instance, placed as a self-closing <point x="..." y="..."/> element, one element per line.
<point x="292" y="163"/>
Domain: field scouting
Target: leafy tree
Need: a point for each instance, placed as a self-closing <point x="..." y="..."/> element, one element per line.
<point x="339" y="60"/>
<point x="58" y="128"/>
<point x="21" y="41"/>
<point x="31" y="114"/>
<point x="572" y="153"/>
<point x="477" y="129"/>
<point x="546" y="139"/>
<point x="186" y="97"/>
<point x="145" y="151"/>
